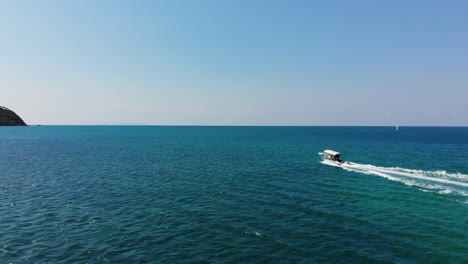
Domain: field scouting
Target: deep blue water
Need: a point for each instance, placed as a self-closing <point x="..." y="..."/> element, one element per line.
<point x="76" y="194"/>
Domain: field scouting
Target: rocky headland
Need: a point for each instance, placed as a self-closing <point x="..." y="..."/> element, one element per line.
<point x="10" y="118"/>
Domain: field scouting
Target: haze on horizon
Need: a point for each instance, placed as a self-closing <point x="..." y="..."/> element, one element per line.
<point x="209" y="62"/>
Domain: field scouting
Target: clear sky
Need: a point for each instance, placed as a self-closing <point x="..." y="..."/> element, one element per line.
<point x="235" y="62"/>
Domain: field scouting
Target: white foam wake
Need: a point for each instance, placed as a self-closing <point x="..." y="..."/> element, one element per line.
<point x="441" y="181"/>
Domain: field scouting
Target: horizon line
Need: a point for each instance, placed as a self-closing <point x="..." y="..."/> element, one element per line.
<point x="208" y="125"/>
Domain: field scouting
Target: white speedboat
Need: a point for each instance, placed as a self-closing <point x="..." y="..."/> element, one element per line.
<point x="332" y="155"/>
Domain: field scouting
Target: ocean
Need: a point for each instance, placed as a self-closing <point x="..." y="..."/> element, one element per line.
<point x="177" y="194"/>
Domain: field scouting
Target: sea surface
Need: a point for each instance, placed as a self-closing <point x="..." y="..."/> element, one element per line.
<point x="162" y="194"/>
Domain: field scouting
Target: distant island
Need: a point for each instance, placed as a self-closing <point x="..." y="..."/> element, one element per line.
<point x="10" y="118"/>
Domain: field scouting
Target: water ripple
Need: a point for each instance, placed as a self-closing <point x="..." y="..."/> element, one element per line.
<point x="256" y="195"/>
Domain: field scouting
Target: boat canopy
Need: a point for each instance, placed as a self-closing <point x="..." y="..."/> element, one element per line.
<point x="332" y="152"/>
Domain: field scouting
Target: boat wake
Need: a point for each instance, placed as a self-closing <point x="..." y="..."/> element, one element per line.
<point x="434" y="181"/>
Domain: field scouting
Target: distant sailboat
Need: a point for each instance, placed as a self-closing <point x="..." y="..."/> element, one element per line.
<point x="396" y="128"/>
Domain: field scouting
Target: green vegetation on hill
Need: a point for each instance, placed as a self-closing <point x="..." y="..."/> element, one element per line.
<point x="10" y="118"/>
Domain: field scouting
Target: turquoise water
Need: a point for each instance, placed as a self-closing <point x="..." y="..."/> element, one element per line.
<point x="75" y="194"/>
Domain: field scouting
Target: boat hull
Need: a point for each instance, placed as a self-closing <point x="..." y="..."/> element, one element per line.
<point x="330" y="160"/>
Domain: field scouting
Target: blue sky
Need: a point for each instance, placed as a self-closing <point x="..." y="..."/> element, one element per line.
<point x="237" y="62"/>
